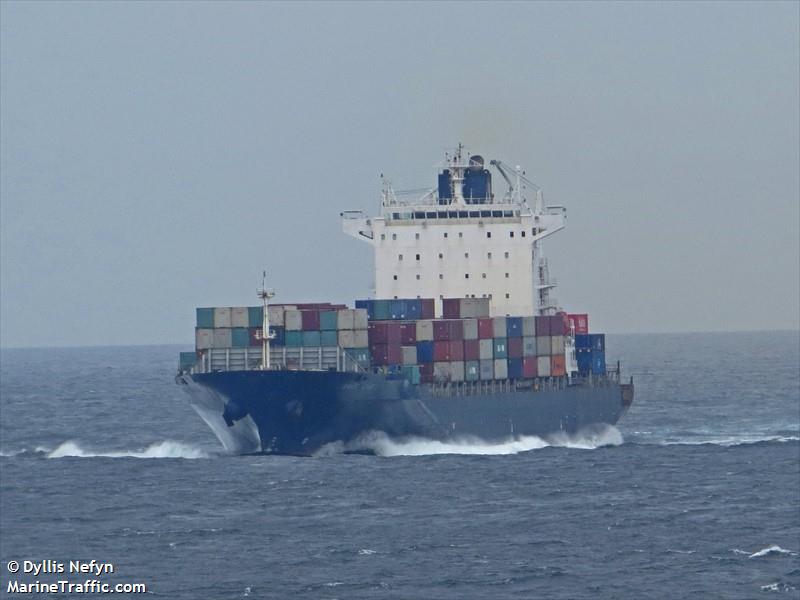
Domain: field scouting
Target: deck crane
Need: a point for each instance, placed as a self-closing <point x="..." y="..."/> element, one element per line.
<point x="502" y="167"/>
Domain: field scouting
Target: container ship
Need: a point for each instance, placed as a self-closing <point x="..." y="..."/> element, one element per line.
<point x="463" y="337"/>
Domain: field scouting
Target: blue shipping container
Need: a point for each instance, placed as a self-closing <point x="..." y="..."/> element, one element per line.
<point x="597" y="341"/>
<point x="240" y="337"/>
<point x="187" y="360"/>
<point x="413" y="309"/>
<point x="381" y="310"/>
<point x="583" y="340"/>
<point x="397" y="309"/>
<point x="310" y="338"/>
<point x="513" y="327"/>
<point x="205" y="318"/>
<point x="280" y="336"/>
<point x="424" y="352"/>
<point x="294" y="339"/>
<point x="328" y="338"/>
<point x="515" y="368"/>
<point x="584" y="360"/>
<point x="598" y="362"/>
<point x="327" y="320"/>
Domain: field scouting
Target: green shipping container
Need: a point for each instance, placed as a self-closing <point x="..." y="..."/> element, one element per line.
<point x="360" y="355"/>
<point x="327" y="320"/>
<point x="329" y="338"/>
<point x="205" y="318"/>
<point x="310" y="339"/>
<point x="294" y="339"/>
<point x="381" y="310"/>
<point x="255" y="315"/>
<point x="188" y="360"/>
<point x="411" y="372"/>
<point x="500" y="348"/>
<point x="240" y="337"/>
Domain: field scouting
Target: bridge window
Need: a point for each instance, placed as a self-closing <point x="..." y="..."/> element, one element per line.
<point x="488" y="234"/>
<point x="522" y="233"/>
<point x="441" y="255"/>
<point x="488" y="255"/>
<point x="466" y="254"/>
<point x="383" y="236"/>
<point x="510" y="234"/>
<point x="399" y="257"/>
<point x="394" y="236"/>
<point x="416" y="235"/>
<point x="417" y="280"/>
<point x="506" y="254"/>
<point x="508" y="296"/>
<point x="445" y="234"/>
<point x="417" y="256"/>
<point x="441" y="276"/>
<point x="506" y="275"/>
<point x="395" y="277"/>
<point x="466" y="275"/>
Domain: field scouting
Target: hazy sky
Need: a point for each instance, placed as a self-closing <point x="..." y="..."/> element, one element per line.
<point x="157" y="156"/>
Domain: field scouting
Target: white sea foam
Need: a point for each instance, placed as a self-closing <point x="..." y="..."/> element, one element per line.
<point x="730" y="440"/>
<point x="383" y="445"/>
<point x="165" y="449"/>
<point x="772" y="550"/>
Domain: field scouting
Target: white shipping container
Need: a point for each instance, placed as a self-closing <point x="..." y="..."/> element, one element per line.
<point x="293" y="320"/>
<point x="222" y="317"/>
<point x="441" y="371"/>
<point x="409" y="355"/>
<point x="529" y="326"/>
<point x="499" y="327"/>
<point x="345" y="319"/>
<point x="500" y="368"/>
<point x="276" y="315"/>
<point x="487" y="370"/>
<point x="240" y="317"/>
<point x="486" y="349"/>
<point x="360" y="318"/>
<point x="361" y="338"/>
<point x="457" y="371"/>
<point x="528" y="346"/>
<point x="347" y="338"/>
<point x="472" y="308"/>
<point x="425" y="331"/>
<point x="557" y="345"/>
<point x="470" y="328"/>
<point x="543" y="346"/>
<point x="204" y="339"/>
<point x="222" y="337"/>
<point x="543" y="366"/>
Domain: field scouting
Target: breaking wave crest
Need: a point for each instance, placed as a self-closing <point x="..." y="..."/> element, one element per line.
<point x="773" y="550"/>
<point x="726" y="441"/>
<point x="383" y="445"/>
<point x="165" y="449"/>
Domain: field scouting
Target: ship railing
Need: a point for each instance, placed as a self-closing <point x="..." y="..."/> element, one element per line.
<point x="497" y="386"/>
<point x="318" y="358"/>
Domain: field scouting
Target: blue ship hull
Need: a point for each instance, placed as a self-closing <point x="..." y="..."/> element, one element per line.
<point x="298" y="412"/>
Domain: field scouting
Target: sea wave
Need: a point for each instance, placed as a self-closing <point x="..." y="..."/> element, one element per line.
<point x="165" y="449"/>
<point x="726" y="441"/>
<point x="382" y="444"/>
<point x="773" y="550"/>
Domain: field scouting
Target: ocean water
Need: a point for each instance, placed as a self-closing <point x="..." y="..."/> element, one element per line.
<point x="695" y="494"/>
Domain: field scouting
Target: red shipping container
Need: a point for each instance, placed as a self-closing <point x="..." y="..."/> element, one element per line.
<point x="472" y="349"/>
<point x="408" y="333"/>
<point x="426" y="372"/>
<point x="557" y="325"/>
<point x="448" y="330"/>
<point x="457" y="330"/>
<point x="386" y="354"/>
<point x="456" y="350"/>
<point x="485" y="329"/>
<point x="564" y="322"/>
<point x="441" y="350"/>
<point x="310" y="320"/>
<point x="428" y="306"/>
<point x="451" y="308"/>
<point x="558" y="366"/>
<point x="579" y="322"/>
<point x="542" y="326"/>
<point x="384" y="332"/>
<point x="514" y="346"/>
<point x="529" y="367"/>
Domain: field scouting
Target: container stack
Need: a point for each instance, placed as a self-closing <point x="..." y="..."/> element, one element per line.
<point x="590" y="353"/>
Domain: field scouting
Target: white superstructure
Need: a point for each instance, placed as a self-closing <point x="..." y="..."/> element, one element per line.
<point x="459" y="240"/>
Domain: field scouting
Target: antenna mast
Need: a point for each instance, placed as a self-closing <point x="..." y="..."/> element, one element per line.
<point x="266" y="336"/>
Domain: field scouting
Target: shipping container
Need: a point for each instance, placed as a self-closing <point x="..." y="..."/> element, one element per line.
<point x="542" y="325"/>
<point x="353" y="338"/>
<point x="472" y="349"/>
<point x="413" y="309"/>
<point x="529" y="326"/>
<point x="472" y="370"/>
<point x="329" y="320"/>
<point x="311" y="339"/>
<point x="543" y="366"/>
<point x="441" y="350"/>
<point x="557" y="346"/>
<point x="485" y="329"/>
<point x="426" y="372"/>
<point x="409" y="355"/>
<point x="427" y="308"/>
<point x="499" y="327"/>
<point x="528" y="346"/>
<point x="598" y="362"/>
<point x="360" y="319"/>
<point x="597" y="341"/>
<point x="425" y="351"/>
<point x="386" y="354"/>
<point x="456" y="350"/>
<point x="579" y="323"/>
<point x="557" y="366"/>
<point x="514" y="327"/>
<point x="441" y="371"/>
<point x="293" y="320"/>
<point x="475" y="308"/>
<point x="565" y="327"/>
<point x="222" y="317"/>
<point x="239" y="317"/>
<point x="344" y="319"/>
<point x="255" y="336"/>
<point x="222" y="336"/>
<point x="381" y="310"/>
<point x="582" y="340"/>
<point x="424" y="331"/>
<point x="412" y="374"/>
<point x="470" y="327"/>
<point x="397" y="309"/>
<point x="408" y="333"/>
<point x="365" y="305"/>
<point x="500" y="348"/>
<point x="487" y="369"/>
<point x="500" y="368"/>
<point x="457" y="371"/>
<point x="583" y="357"/>
<point x="515" y="368"/>
<point x="451" y="308"/>
<point x="486" y="349"/>
<point x="205" y="318"/>
<point x="515" y="347"/>
<point x="448" y="330"/>
<point x="255" y="316"/>
<point x="204" y="338"/>
<point x="329" y="338"/>
<point x="384" y="332"/>
<point x="240" y="336"/>
<point x="359" y="355"/>
<point x="294" y="339"/>
<point x="543" y="345"/>
<point x="557" y="325"/>
<point x="187" y="360"/>
<point x="530" y="367"/>
<point x="310" y="320"/>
